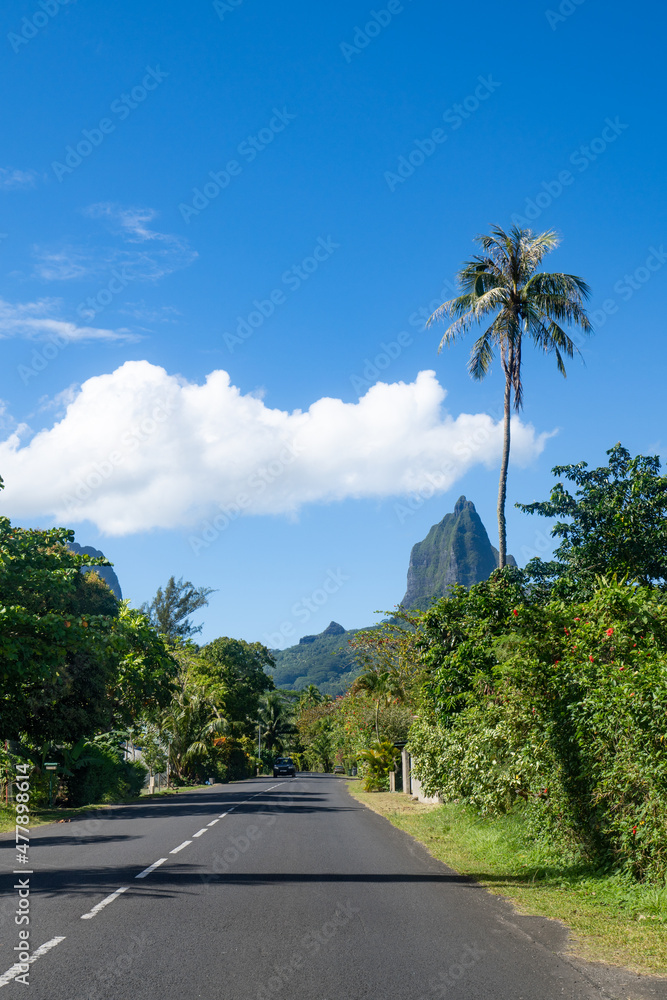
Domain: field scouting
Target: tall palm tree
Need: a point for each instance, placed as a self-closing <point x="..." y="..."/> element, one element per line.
<point x="504" y="282"/>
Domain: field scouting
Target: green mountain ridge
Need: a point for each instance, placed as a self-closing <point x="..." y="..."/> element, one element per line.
<point x="324" y="660"/>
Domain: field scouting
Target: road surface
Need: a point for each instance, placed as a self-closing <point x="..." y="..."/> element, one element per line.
<point x="269" y="888"/>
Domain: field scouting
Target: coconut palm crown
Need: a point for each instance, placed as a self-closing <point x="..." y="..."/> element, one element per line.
<point x="503" y="283"/>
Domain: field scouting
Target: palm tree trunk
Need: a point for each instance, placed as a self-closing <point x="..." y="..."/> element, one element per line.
<point x="502" y="485"/>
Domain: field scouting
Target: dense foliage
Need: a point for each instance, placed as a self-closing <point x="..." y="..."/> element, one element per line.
<point x="617" y="523"/>
<point x="327" y="662"/>
<point x="546" y="690"/>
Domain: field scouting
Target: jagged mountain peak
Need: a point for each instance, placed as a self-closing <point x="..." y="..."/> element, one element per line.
<point x="457" y="550"/>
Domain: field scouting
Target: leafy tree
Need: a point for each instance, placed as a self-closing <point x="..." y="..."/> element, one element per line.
<point x="317" y="731"/>
<point x="234" y="671"/>
<point x="56" y="654"/>
<point x="617" y="523"/>
<point x="275" y="716"/>
<point x="458" y="641"/>
<point x="74" y="660"/>
<point x="170" y="610"/>
<point x="189" y="726"/>
<point x="153" y="749"/>
<point x="504" y="282"/>
<point x="310" y="696"/>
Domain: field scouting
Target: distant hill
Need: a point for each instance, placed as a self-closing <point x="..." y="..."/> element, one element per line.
<point x="457" y="550"/>
<point x="324" y="660"/>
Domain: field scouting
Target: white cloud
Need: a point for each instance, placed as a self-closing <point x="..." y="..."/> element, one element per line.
<point x="11" y="179"/>
<point x="34" y="321"/>
<point x="160" y="254"/>
<point x="129" y="222"/>
<point x="140" y="449"/>
<point x="145" y="314"/>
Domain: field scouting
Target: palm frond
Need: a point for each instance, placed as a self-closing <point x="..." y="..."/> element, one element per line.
<point x="481" y="355"/>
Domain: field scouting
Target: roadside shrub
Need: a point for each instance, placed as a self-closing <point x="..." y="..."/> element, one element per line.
<point x="562" y="706"/>
<point x="104" y="778"/>
<point x="379" y="759"/>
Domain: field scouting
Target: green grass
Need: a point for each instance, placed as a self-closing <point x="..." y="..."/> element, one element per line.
<point x="611" y="917"/>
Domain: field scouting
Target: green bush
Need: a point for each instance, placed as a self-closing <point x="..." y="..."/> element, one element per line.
<point x="379" y="759"/>
<point x="562" y="706"/>
<point x="105" y="778"/>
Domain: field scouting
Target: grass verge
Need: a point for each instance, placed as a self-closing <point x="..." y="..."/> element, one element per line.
<point x="612" y="918"/>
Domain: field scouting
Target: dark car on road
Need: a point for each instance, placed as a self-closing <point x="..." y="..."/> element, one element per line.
<point x="284" y="765"/>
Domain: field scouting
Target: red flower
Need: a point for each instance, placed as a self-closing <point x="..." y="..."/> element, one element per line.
<point x="621" y="668"/>
<point x="634" y="830"/>
<point x="577" y="619"/>
<point x="610" y="631"/>
<point x="515" y="612"/>
<point x="590" y="658"/>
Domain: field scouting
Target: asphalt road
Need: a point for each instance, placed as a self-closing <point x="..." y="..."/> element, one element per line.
<point x="263" y="889"/>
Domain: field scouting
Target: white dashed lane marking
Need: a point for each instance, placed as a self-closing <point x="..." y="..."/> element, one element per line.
<point x="151" y="868"/>
<point x="103" y="903"/>
<point x="180" y="847"/>
<point x="199" y="832"/>
<point x="16" y="969"/>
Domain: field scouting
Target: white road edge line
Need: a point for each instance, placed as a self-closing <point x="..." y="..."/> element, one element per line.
<point x="103" y="903"/>
<point x="199" y="832"/>
<point x="18" y="966"/>
<point x="213" y="822"/>
<point x="180" y="847"/>
<point x="151" y="868"/>
<point x="222" y="815"/>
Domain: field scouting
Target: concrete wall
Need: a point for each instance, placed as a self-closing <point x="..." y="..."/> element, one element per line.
<point x="412" y="785"/>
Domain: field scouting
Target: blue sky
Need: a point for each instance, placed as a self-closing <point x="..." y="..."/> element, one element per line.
<point x="275" y="192"/>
